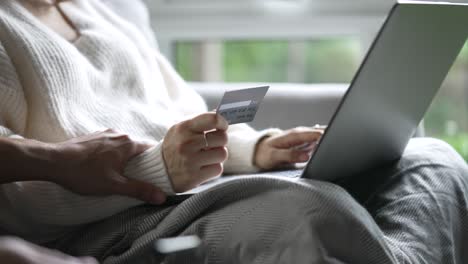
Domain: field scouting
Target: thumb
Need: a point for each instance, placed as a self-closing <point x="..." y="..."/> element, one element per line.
<point x="140" y="190"/>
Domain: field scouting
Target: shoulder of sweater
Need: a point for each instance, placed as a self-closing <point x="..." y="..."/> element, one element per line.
<point x="13" y="29"/>
<point x="8" y="76"/>
<point x="11" y="93"/>
<point x="8" y="10"/>
<point x="133" y="19"/>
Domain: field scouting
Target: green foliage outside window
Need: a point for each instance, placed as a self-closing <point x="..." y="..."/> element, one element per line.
<point x="448" y="116"/>
<point x="329" y="61"/>
<point x="257" y="61"/>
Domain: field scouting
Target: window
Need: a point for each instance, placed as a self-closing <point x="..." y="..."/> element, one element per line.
<point x="323" y="42"/>
<point x="310" y="61"/>
<point x="319" y="61"/>
<point x="448" y="115"/>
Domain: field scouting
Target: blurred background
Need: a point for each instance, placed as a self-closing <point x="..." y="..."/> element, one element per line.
<point x="293" y="41"/>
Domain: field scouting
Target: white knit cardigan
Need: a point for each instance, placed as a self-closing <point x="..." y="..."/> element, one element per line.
<point x="52" y="90"/>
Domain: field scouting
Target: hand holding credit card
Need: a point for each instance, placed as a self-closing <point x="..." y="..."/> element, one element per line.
<point x="241" y="106"/>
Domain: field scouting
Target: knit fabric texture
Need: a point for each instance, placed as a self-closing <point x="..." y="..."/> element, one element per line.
<point x="412" y="211"/>
<point x="53" y="90"/>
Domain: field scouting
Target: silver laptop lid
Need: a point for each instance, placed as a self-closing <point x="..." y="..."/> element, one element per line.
<point x="392" y="90"/>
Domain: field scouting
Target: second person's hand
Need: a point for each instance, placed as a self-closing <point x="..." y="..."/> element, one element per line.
<point x="94" y="165"/>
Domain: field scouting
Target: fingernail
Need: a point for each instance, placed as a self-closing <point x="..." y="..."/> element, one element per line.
<point x="304" y="157"/>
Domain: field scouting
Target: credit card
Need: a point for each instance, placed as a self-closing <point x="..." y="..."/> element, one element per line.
<point x="241" y="106"/>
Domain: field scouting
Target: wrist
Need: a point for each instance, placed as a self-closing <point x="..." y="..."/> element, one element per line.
<point x="258" y="151"/>
<point x="29" y="160"/>
<point x="47" y="158"/>
<point x="42" y="156"/>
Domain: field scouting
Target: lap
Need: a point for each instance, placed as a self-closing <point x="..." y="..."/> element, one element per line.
<point x="427" y="166"/>
<point x="266" y="221"/>
<point x="419" y="203"/>
<point x="250" y="220"/>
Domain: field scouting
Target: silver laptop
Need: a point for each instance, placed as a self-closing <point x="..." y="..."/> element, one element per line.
<point x="391" y="92"/>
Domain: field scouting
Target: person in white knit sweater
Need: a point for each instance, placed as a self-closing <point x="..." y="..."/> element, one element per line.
<point x="97" y="129"/>
<point x="72" y="70"/>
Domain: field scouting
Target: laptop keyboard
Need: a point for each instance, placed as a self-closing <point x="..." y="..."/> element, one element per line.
<point x="286" y="173"/>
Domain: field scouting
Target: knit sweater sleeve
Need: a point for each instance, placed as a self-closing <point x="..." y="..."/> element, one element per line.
<point x="24" y="203"/>
<point x="47" y="203"/>
<point x="4" y="132"/>
<point x="243" y="141"/>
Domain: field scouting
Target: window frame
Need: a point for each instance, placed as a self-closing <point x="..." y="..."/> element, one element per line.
<point x="181" y="20"/>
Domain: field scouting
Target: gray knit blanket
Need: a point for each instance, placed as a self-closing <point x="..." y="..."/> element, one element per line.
<point x="412" y="211"/>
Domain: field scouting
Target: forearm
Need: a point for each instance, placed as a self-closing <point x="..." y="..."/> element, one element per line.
<point x="25" y="160"/>
<point x="51" y="204"/>
<point x="81" y="180"/>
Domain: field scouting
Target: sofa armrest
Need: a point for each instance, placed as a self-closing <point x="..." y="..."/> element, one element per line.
<point x="285" y="105"/>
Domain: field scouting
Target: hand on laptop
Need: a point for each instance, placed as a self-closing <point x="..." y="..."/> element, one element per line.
<point x="290" y="147"/>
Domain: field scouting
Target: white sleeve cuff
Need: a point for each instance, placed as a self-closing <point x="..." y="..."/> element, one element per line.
<point x="241" y="147"/>
<point x="150" y="167"/>
<point x="5" y="132"/>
